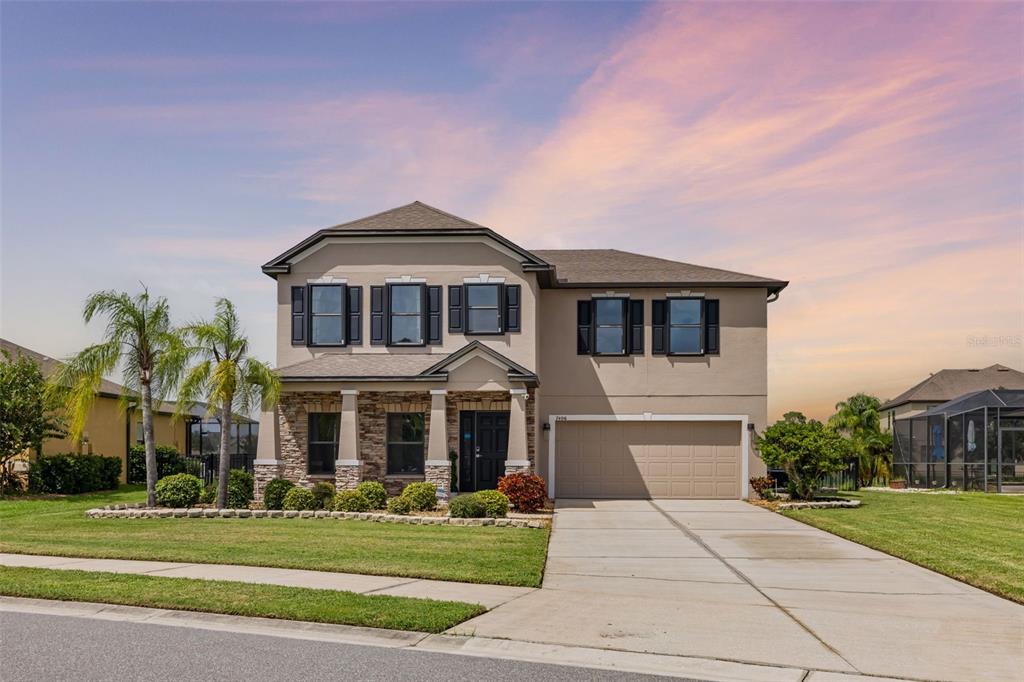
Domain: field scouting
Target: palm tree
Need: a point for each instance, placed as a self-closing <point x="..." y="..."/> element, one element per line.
<point x="857" y="418"/>
<point x="138" y="337"/>
<point x="225" y="377"/>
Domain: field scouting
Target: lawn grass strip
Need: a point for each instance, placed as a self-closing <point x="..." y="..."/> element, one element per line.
<point x="237" y="598"/>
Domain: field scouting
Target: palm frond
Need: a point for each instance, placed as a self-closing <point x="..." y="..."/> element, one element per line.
<point x="77" y="380"/>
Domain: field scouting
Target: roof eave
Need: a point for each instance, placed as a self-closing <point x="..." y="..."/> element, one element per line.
<point x="440" y="376"/>
<point x="281" y="264"/>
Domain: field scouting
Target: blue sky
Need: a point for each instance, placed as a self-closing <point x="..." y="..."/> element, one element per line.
<point x="870" y="153"/>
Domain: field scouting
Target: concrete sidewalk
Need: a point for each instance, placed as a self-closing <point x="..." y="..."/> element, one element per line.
<point x="488" y="596"/>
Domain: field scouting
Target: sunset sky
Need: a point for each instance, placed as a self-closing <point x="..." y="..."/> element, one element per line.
<point x="872" y="154"/>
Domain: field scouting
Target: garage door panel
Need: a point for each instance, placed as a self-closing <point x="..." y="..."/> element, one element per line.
<point x="648" y="459"/>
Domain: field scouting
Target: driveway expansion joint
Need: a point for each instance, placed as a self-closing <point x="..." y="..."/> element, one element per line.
<point x="700" y="541"/>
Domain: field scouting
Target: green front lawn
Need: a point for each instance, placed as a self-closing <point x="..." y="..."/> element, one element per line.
<point x="57" y="526"/>
<point x="977" y="538"/>
<point x="240" y="599"/>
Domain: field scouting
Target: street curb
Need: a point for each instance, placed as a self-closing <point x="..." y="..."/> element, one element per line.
<point x="711" y="670"/>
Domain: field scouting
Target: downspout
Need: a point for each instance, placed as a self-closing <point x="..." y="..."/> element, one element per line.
<point x="772" y="297"/>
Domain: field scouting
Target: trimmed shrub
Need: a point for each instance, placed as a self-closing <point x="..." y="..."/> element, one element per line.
<point x="324" y="494"/>
<point x="374" y="493"/>
<point x="178" y="490"/>
<point x="69" y="474"/>
<point x="240" y="489"/>
<point x="422" y="496"/>
<point x="209" y="495"/>
<point x="764" y="486"/>
<point x="274" y="492"/>
<point x="299" y="499"/>
<point x="526" y="492"/>
<point x="467" y="507"/>
<point x="351" y="501"/>
<point x="399" y="505"/>
<point x="168" y="462"/>
<point x="495" y="502"/>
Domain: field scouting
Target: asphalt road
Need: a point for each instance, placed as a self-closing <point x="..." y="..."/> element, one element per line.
<point x="45" y="647"/>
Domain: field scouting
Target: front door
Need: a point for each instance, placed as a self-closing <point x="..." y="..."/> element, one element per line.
<point x="484" y="450"/>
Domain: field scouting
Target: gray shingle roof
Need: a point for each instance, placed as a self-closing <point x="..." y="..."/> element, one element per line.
<point x="49" y="365"/>
<point x="947" y="384"/>
<point x="611" y="266"/>
<point x="362" y="366"/>
<point x="392" y="366"/>
<point x="414" y="216"/>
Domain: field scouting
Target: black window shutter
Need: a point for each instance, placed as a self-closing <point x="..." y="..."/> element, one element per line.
<point x="636" y="327"/>
<point x="455" y="296"/>
<point x="584" y="327"/>
<point x="433" y="314"/>
<point x="298" y="316"/>
<point x="355" y="315"/>
<point x="711" y="326"/>
<point x="658" y="322"/>
<point x="377" y="316"/>
<point x="513" y="307"/>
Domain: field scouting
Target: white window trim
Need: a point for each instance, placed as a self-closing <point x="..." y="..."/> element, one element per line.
<point x="405" y="279"/>
<point x="483" y="278"/>
<point x="328" y="279"/>
<point x="742" y="419"/>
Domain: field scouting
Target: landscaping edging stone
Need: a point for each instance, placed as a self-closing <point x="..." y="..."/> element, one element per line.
<point x="821" y="504"/>
<point x="122" y="511"/>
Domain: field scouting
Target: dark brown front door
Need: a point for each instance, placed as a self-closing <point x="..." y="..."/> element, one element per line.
<point x="484" y="449"/>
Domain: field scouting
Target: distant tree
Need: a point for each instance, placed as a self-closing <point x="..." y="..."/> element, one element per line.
<point x="225" y="377"/>
<point x="857" y="418"/>
<point x="795" y="417"/>
<point x="140" y="338"/>
<point x="26" y="417"/>
<point x="806" y="451"/>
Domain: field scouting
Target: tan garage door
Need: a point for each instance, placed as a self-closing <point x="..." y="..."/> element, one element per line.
<point x="648" y="459"/>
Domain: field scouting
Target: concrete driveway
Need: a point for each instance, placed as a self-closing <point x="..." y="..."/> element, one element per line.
<point x="729" y="581"/>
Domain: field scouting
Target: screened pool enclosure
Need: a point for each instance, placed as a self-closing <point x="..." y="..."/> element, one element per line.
<point x="974" y="442"/>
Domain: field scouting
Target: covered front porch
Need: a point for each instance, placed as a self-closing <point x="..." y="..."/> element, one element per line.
<point x="461" y="423"/>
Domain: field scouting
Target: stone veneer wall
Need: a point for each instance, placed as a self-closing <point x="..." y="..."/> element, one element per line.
<point x="373" y="407"/>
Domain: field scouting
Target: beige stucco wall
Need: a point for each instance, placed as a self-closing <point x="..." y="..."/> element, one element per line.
<point x="445" y="263"/>
<point x="734" y="382"/>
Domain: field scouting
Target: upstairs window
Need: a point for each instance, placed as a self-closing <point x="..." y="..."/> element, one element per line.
<point x="685" y="326"/>
<point x="325" y="315"/>
<point x="483" y="314"/>
<point x="406" y="314"/>
<point x="324" y="429"/>
<point x="610" y="326"/>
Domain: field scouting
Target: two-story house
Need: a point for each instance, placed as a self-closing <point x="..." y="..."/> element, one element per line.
<point x="413" y="335"/>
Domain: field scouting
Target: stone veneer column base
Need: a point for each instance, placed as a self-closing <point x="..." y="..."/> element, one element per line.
<point x="439" y="473"/>
<point x="518" y="467"/>
<point x="264" y="471"/>
<point x="347" y="474"/>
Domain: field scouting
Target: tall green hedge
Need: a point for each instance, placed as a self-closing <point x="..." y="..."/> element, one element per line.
<point x="69" y="474"/>
<point x="168" y="462"/>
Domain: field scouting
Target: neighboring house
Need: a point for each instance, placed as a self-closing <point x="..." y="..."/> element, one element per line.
<point x="412" y="335"/>
<point x="946" y="385"/>
<point x="108" y="429"/>
<point x="973" y="442"/>
<point x="111" y="431"/>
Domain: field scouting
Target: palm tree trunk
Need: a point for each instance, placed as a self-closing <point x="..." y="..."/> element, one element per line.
<point x="149" y="444"/>
<point x="224" y="467"/>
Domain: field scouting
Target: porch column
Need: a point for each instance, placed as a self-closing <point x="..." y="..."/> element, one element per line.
<point x="518" y="456"/>
<point x="267" y="466"/>
<point x="348" y="468"/>
<point x="437" y="468"/>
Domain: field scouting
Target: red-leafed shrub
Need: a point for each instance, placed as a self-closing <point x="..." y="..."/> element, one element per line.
<point x="526" y="492"/>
